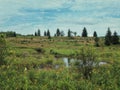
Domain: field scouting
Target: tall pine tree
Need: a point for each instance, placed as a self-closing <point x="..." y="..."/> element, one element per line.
<point x="96" y="39"/>
<point x="115" y="38"/>
<point x="108" y="37"/>
<point x="35" y="33"/>
<point x="95" y="34"/>
<point x="58" y="32"/>
<point x="84" y="33"/>
<point x="69" y="33"/>
<point x="38" y="32"/>
<point x="45" y="33"/>
<point x="48" y="34"/>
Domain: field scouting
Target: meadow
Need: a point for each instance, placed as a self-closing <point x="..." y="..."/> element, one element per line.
<point x="35" y="63"/>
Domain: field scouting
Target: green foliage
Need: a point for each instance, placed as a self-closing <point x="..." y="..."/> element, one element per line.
<point x="58" y="32"/>
<point x="35" y="33"/>
<point x="40" y="50"/>
<point x="48" y="34"/>
<point x="96" y="39"/>
<point x="84" y="33"/>
<point x="107" y="78"/>
<point x="115" y="38"/>
<point x="108" y="37"/>
<point x="45" y="33"/>
<point x="3" y="49"/>
<point x="69" y="33"/>
<point x="87" y="57"/>
<point x="95" y="34"/>
<point x="33" y="65"/>
<point x="103" y="78"/>
<point x="38" y="33"/>
<point x="9" y="34"/>
<point x="111" y="39"/>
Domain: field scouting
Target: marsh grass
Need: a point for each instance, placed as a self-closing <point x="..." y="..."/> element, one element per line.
<point x="31" y="69"/>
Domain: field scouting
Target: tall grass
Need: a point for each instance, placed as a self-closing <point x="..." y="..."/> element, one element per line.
<point x="23" y="69"/>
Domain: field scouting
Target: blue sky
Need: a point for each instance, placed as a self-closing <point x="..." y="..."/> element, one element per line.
<point x="26" y="16"/>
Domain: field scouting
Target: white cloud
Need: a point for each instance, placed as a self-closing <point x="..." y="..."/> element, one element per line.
<point x="12" y="7"/>
<point x="94" y="4"/>
<point x="94" y="14"/>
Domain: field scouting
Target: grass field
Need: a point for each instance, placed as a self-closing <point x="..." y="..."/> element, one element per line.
<point x="31" y="61"/>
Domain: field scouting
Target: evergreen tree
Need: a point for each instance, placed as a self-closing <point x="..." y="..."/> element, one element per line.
<point x="95" y="34"/>
<point x="58" y="32"/>
<point x="38" y="32"/>
<point x="69" y="33"/>
<point x="115" y="38"/>
<point x="14" y="34"/>
<point x="108" y="37"/>
<point x="48" y="34"/>
<point x="84" y="33"/>
<point x="45" y="34"/>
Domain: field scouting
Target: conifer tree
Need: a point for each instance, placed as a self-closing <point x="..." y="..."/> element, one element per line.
<point x="69" y="33"/>
<point x="48" y="34"/>
<point x="84" y="33"/>
<point x="108" y="37"/>
<point x="95" y="34"/>
<point x="45" y="33"/>
<point x="115" y="38"/>
<point x="58" y="32"/>
<point x="38" y="32"/>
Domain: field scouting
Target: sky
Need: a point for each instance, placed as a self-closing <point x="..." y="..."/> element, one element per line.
<point x="26" y="16"/>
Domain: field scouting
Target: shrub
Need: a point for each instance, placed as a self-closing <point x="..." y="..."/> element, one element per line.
<point x="3" y="50"/>
<point x="40" y="50"/>
<point x="87" y="57"/>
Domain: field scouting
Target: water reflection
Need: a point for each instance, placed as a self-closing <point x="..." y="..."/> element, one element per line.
<point x="77" y="62"/>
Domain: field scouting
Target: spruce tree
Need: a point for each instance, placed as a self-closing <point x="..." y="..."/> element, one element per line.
<point x="38" y="32"/>
<point x="58" y="32"/>
<point x="14" y="34"/>
<point x="84" y="33"/>
<point x="69" y="33"/>
<point x="96" y="39"/>
<point x="108" y="37"/>
<point x="115" y="38"/>
<point x="45" y="34"/>
<point x="48" y="34"/>
<point x="95" y="34"/>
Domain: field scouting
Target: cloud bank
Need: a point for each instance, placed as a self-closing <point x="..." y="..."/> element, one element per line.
<point x="26" y="16"/>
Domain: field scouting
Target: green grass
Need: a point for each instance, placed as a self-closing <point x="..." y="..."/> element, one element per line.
<point x="29" y="69"/>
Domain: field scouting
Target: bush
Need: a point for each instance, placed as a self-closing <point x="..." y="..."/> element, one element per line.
<point x="3" y="50"/>
<point x="87" y="59"/>
<point x="40" y="50"/>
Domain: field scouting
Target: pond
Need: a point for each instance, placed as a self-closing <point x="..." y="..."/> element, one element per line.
<point x="69" y="61"/>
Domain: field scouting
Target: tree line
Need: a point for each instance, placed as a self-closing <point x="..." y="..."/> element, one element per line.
<point x="109" y="39"/>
